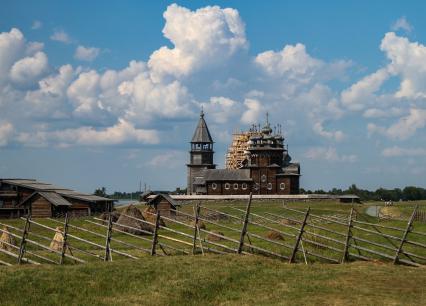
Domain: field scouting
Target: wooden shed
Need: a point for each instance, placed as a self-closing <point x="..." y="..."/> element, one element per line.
<point x="18" y="196"/>
<point x="42" y="204"/>
<point x="164" y="204"/>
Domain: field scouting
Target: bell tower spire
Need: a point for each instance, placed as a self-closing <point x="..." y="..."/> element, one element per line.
<point x="201" y="153"/>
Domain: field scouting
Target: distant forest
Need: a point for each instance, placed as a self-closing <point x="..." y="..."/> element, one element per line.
<point x="409" y="193"/>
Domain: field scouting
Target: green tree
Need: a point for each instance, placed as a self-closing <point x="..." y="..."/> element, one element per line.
<point x="101" y="192"/>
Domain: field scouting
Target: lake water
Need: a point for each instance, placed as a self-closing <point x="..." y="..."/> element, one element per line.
<point x="373" y="211"/>
<point x="125" y="202"/>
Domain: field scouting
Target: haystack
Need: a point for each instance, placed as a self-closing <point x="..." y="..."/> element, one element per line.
<point x="131" y="225"/>
<point x="212" y="237"/>
<point x="274" y="235"/>
<point x="288" y="222"/>
<point x="58" y="240"/>
<point x="6" y="239"/>
<point x="115" y="215"/>
<point x="149" y="215"/>
<point x="201" y="224"/>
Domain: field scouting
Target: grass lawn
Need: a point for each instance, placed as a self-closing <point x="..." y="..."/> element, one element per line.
<point x="212" y="279"/>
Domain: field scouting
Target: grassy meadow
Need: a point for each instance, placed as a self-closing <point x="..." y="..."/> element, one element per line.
<point x="212" y="280"/>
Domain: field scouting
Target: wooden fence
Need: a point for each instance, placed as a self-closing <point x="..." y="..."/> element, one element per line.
<point x="291" y="234"/>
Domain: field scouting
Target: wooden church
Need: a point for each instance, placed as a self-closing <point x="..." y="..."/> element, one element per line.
<point x="265" y="169"/>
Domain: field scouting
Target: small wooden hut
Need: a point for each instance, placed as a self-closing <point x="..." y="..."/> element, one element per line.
<point x="164" y="204"/>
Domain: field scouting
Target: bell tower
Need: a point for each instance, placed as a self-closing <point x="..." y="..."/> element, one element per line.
<point x="201" y="154"/>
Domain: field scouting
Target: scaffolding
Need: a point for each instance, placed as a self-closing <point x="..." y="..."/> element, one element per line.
<point x="236" y="154"/>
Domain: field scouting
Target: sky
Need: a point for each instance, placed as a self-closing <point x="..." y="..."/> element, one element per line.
<point x="103" y="93"/>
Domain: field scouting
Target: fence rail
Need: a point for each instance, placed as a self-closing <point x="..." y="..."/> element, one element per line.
<point x="289" y="234"/>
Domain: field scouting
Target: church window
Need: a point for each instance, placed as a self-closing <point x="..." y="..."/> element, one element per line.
<point x="269" y="186"/>
<point x="244" y="186"/>
<point x="282" y="186"/>
<point x="236" y="186"/>
<point x="227" y="186"/>
<point x="214" y="186"/>
<point x="263" y="178"/>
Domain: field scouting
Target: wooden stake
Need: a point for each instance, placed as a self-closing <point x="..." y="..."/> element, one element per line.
<point x="108" y="239"/>
<point x="348" y="237"/>
<point x="64" y="242"/>
<point x="244" y="228"/>
<point x="155" y="235"/>
<point x="299" y="237"/>
<point x="24" y="238"/>
<point x="404" y="237"/>
<point x="196" y="230"/>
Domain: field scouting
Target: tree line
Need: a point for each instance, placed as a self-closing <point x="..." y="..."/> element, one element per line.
<point x="409" y="193"/>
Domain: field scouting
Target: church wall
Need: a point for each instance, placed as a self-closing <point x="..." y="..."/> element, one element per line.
<point x="235" y="187"/>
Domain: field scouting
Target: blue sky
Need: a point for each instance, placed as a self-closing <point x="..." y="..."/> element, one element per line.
<point x="108" y="93"/>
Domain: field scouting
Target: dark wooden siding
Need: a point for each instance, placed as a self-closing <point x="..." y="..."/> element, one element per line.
<point x="40" y="207"/>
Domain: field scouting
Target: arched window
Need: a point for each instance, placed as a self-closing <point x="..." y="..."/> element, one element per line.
<point x="214" y="186"/>
<point x="269" y="186"/>
<point x="227" y="186"/>
<point x="263" y="178"/>
<point x="236" y="186"/>
<point x="256" y="186"/>
<point x="282" y="186"/>
<point x="244" y="186"/>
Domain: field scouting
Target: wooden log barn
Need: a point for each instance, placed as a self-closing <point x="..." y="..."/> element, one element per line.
<point x="20" y="196"/>
<point x="163" y="204"/>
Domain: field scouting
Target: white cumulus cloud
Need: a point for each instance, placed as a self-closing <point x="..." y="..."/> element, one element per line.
<point x="203" y="37"/>
<point x="402" y="24"/>
<point x="61" y="36"/>
<point x="403" y="152"/>
<point x="6" y="131"/>
<point x="329" y="154"/>
<point x="86" y="53"/>
<point x="29" y="69"/>
<point x="37" y="24"/>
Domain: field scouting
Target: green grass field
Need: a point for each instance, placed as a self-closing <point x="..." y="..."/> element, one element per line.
<point x="213" y="280"/>
<point x="220" y="279"/>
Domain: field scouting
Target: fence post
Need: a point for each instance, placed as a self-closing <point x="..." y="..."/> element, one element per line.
<point x="155" y="235"/>
<point x="23" y="243"/>
<point x="348" y="237"/>
<point x="299" y="236"/>
<point x="108" y="239"/>
<point x="244" y="228"/>
<point x="197" y="214"/>
<point x="404" y="237"/>
<point x="64" y="242"/>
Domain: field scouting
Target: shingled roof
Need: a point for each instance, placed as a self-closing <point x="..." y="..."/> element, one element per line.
<point x="202" y="133"/>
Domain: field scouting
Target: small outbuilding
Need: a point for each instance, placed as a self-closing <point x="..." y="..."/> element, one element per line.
<point x="164" y="204"/>
<point x="20" y="196"/>
<point x="349" y="198"/>
<point x="144" y="196"/>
